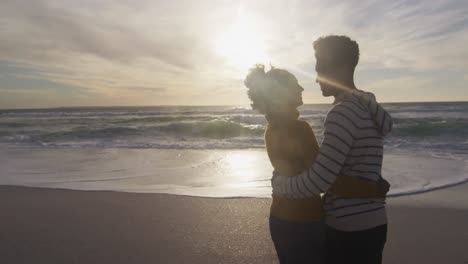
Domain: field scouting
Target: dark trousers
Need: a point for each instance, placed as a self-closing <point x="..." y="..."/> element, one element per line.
<point x="360" y="247"/>
<point x="298" y="242"/>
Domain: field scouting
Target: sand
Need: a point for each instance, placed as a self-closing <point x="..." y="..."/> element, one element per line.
<point x="42" y="225"/>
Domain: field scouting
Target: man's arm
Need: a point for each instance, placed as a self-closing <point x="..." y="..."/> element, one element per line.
<point x="338" y="139"/>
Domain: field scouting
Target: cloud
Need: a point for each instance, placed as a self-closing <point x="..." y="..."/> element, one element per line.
<point x="54" y="32"/>
<point x="144" y="89"/>
<point x="418" y="35"/>
<point x="104" y="45"/>
<point x="109" y="48"/>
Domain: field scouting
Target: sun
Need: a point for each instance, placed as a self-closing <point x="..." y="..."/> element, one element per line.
<point x="241" y="44"/>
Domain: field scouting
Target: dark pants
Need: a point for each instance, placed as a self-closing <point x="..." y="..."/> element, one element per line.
<point x="298" y="242"/>
<point x="360" y="247"/>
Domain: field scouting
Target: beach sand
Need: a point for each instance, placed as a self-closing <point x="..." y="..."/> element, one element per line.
<point x="42" y="225"/>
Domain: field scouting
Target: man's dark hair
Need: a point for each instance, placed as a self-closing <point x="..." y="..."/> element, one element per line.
<point x="337" y="50"/>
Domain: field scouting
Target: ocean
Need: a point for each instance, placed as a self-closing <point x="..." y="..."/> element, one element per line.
<point x="432" y="133"/>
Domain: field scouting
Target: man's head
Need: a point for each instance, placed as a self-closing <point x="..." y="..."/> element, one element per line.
<point x="337" y="57"/>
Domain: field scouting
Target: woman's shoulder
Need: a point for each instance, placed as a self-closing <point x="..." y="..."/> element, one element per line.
<point x="303" y="123"/>
<point x="304" y="126"/>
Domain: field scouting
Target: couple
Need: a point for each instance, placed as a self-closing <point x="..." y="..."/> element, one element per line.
<point x="348" y="224"/>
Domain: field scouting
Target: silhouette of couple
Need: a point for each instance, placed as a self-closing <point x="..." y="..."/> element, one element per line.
<point x="328" y="202"/>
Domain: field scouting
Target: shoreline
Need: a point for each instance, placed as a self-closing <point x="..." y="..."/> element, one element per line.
<point x="390" y="196"/>
<point x="199" y="173"/>
<point x="44" y="225"/>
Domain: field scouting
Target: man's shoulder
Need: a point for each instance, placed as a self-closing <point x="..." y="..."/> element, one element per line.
<point x="349" y="107"/>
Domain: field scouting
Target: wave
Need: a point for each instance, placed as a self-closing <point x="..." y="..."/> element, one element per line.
<point x="174" y="144"/>
<point x="159" y="119"/>
<point x="430" y="127"/>
<point x="438" y="128"/>
<point x="216" y="129"/>
<point x="213" y="129"/>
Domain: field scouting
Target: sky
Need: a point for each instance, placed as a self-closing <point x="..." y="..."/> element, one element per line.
<point x="59" y="53"/>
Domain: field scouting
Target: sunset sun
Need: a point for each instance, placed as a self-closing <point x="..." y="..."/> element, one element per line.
<point x="241" y="43"/>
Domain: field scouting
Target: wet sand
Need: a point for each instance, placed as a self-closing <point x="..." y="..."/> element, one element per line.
<point x="66" y="226"/>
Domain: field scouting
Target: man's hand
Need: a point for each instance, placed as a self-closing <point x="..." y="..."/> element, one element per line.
<point x="383" y="186"/>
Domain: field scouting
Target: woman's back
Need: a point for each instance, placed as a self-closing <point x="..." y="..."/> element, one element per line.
<point x="291" y="147"/>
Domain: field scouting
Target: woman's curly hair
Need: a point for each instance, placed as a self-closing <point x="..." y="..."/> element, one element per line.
<point x="266" y="89"/>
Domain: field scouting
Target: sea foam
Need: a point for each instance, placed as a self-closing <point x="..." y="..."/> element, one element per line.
<point x="207" y="173"/>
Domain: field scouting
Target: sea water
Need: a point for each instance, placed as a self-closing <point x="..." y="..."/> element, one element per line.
<point x="85" y="148"/>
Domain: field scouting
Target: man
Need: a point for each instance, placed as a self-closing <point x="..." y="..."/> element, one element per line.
<point x="352" y="147"/>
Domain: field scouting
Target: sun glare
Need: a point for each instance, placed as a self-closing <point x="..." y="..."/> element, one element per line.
<point x="242" y="165"/>
<point x="239" y="160"/>
<point x="241" y="44"/>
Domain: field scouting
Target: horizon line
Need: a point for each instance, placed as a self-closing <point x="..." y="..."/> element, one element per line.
<point x="175" y="105"/>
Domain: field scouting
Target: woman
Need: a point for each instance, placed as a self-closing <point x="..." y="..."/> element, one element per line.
<point x="295" y="224"/>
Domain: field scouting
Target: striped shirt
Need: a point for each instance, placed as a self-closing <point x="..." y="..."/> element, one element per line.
<point x="353" y="147"/>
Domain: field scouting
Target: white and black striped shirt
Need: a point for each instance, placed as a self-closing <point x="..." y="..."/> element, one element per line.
<point x="352" y="146"/>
